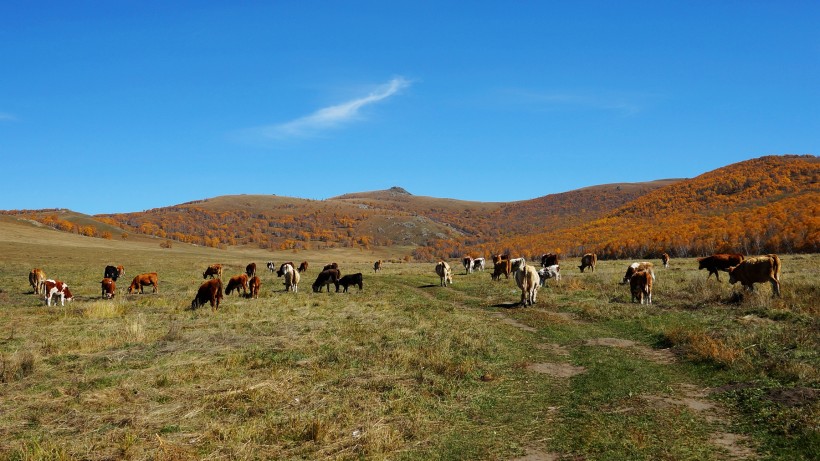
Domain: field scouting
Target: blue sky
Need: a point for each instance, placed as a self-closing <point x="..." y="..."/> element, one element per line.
<point x="119" y="106"/>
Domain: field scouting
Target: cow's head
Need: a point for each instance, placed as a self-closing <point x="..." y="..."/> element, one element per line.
<point x="732" y="278"/>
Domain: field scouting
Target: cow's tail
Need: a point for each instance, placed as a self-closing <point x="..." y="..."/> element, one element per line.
<point x="775" y="266"/>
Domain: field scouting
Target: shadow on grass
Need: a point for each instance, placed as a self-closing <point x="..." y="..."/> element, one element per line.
<point x="507" y="305"/>
<point x="428" y="286"/>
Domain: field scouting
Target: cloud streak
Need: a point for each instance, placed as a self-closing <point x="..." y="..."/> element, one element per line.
<point x="331" y="116"/>
<point x="6" y="117"/>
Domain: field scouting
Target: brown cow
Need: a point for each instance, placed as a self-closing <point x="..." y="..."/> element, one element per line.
<point x="210" y="291"/>
<point x="502" y="267"/>
<point x="303" y="267"/>
<point x="719" y="262"/>
<point x="640" y="285"/>
<point x="325" y="278"/>
<point x="377" y="266"/>
<point x="330" y="266"/>
<point x="549" y="259"/>
<point x="250" y="269"/>
<point x="635" y="267"/>
<point x="665" y="260"/>
<point x="499" y="257"/>
<point x="56" y="287"/>
<point x="213" y="270"/>
<point x="142" y="280"/>
<point x="37" y="278"/>
<point x="255" y="284"/>
<point x="759" y="269"/>
<point x="588" y="260"/>
<point x="109" y="288"/>
<point x="236" y="282"/>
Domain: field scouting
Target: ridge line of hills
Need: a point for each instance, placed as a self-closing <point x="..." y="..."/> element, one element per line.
<point x="767" y="204"/>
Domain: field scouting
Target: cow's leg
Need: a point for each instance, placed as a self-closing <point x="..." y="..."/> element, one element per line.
<point x="775" y="286"/>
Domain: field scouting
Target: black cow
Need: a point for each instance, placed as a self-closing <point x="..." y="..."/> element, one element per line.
<point x="112" y="273"/>
<point x="350" y="279"/>
<point x="325" y="278"/>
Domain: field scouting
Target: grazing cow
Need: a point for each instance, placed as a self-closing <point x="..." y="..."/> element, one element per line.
<point x="271" y="266"/>
<point x="250" y="269"/>
<point x="635" y="267"/>
<point x="377" y="266"/>
<point x="760" y="269"/>
<point x="36" y="278"/>
<point x="330" y="266"/>
<point x="588" y="260"/>
<point x="640" y="285"/>
<point x="467" y="262"/>
<point x="291" y="277"/>
<point x="665" y="260"/>
<point x="350" y="279"/>
<point x="478" y="264"/>
<point x="109" y="288"/>
<point x="281" y="270"/>
<point x="325" y="278"/>
<point x="549" y="259"/>
<point x="113" y="273"/>
<point x="56" y="287"/>
<point x="444" y="272"/>
<point x="236" y="282"/>
<point x="549" y="272"/>
<point x="142" y="280"/>
<point x="254" y="284"/>
<point x="719" y="262"/>
<point x="213" y="270"/>
<point x="502" y="267"/>
<point x="210" y="291"/>
<point x="303" y="267"/>
<point x="526" y="277"/>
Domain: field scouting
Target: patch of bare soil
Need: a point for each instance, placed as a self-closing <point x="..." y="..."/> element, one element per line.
<point x="558" y="370"/>
<point x="536" y="455"/>
<point x="556" y="349"/>
<point x="737" y="446"/>
<point x="660" y="356"/>
<point x="514" y="323"/>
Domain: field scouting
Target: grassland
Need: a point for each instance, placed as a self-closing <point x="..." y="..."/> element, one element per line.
<point x="404" y="369"/>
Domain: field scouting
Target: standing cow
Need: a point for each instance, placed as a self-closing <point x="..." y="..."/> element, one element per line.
<point x="56" y="287"/>
<point x="144" y="280"/>
<point x="254" y="284"/>
<point x="526" y="277"/>
<point x="209" y="292"/>
<point x="467" y="262"/>
<point x="113" y="273"/>
<point x="639" y="266"/>
<point x="549" y="259"/>
<point x="588" y="260"/>
<point x="214" y="270"/>
<point x="640" y="285"/>
<point x="759" y="269"/>
<point x="236" y="282"/>
<point x="665" y="260"/>
<point x="108" y="287"/>
<point x="37" y="279"/>
<point x="377" y="266"/>
<point x="719" y="262"/>
<point x="250" y="270"/>
<point x="444" y="273"/>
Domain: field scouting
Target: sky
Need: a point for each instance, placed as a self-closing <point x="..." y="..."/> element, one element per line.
<point x="123" y="106"/>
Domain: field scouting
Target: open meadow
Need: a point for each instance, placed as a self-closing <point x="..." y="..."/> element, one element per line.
<point x="404" y="369"/>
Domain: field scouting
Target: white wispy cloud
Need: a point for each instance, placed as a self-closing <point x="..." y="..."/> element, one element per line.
<point x="331" y="116"/>
<point x="6" y="117"/>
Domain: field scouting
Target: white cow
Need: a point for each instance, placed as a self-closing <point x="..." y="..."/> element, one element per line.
<point x="444" y="272"/>
<point x="56" y="287"/>
<point x="526" y="277"/>
<point x="549" y="272"/>
<point x="478" y="264"/>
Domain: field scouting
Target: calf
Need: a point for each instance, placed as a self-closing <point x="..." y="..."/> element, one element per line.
<point x="635" y="267"/>
<point x="108" y="287"/>
<point x="56" y="287"/>
<point x="210" y="291"/>
<point x="759" y="269"/>
<point x="588" y="260"/>
<point x="665" y="260"/>
<point x="478" y="264"/>
<point x="271" y="266"/>
<point x="303" y="267"/>
<point x="640" y="285"/>
<point x="236" y="282"/>
<point x="37" y="279"/>
<point x="250" y="270"/>
<point x="325" y="278"/>
<point x="550" y="272"/>
<point x="350" y="279"/>
<point x="213" y="270"/>
<point x="444" y="273"/>
<point x="291" y="276"/>
<point x="143" y="280"/>
<point x="719" y="262"/>
<point x="377" y="266"/>
<point x="255" y="284"/>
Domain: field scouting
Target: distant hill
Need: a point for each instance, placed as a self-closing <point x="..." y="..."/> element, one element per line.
<point x="764" y="204"/>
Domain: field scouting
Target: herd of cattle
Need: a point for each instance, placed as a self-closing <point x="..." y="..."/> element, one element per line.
<point x="639" y="275"/>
